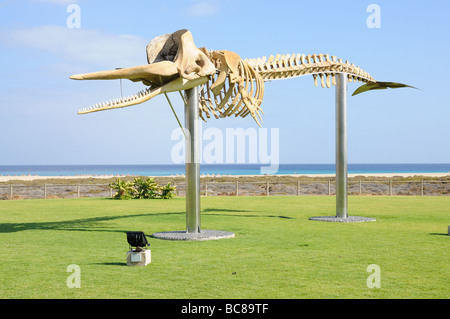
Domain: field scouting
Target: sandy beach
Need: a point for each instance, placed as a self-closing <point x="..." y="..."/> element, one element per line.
<point x="33" y="178"/>
<point x="4" y="179"/>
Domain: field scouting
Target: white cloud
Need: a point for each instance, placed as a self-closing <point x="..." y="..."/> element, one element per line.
<point x="81" y="45"/>
<point x="203" y="9"/>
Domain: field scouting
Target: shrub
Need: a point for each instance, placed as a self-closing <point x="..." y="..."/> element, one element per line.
<point x="125" y="190"/>
<point x="145" y="188"/>
<point x="142" y="188"/>
<point x="168" y="191"/>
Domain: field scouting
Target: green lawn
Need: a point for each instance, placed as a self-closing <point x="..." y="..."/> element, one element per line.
<point x="277" y="252"/>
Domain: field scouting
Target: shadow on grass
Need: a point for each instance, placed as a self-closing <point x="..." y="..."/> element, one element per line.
<point x="85" y="224"/>
<point x="241" y="215"/>
<point x="95" y="223"/>
<point x="111" y="264"/>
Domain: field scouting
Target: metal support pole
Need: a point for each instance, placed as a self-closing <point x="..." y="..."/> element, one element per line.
<point x="341" y="158"/>
<point x="191" y="116"/>
<point x="341" y="147"/>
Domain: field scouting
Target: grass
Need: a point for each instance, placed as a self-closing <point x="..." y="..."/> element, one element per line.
<point x="277" y="252"/>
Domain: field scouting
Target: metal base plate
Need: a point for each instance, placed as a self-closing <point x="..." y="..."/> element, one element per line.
<point x="349" y="219"/>
<point x="203" y="235"/>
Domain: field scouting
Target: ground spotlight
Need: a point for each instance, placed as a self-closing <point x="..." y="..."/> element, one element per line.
<point x="138" y="240"/>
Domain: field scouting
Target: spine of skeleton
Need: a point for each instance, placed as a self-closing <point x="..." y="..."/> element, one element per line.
<point x="320" y="66"/>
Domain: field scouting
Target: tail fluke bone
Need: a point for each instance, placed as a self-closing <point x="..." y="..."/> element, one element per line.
<point x="380" y="86"/>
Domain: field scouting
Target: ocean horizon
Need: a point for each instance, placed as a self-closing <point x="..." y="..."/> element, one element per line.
<point x="212" y="169"/>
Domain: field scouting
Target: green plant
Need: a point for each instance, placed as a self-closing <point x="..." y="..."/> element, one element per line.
<point x="145" y="188"/>
<point x="142" y="188"/>
<point x="168" y="191"/>
<point x="125" y="189"/>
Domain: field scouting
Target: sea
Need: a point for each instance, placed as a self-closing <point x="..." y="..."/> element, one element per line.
<point x="212" y="169"/>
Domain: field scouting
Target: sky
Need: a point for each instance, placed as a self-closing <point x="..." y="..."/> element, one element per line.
<point x="42" y="43"/>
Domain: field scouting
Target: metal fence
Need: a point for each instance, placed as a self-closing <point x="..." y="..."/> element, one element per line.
<point x="50" y="191"/>
<point x="391" y="188"/>
<point x="299" y="188"/>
